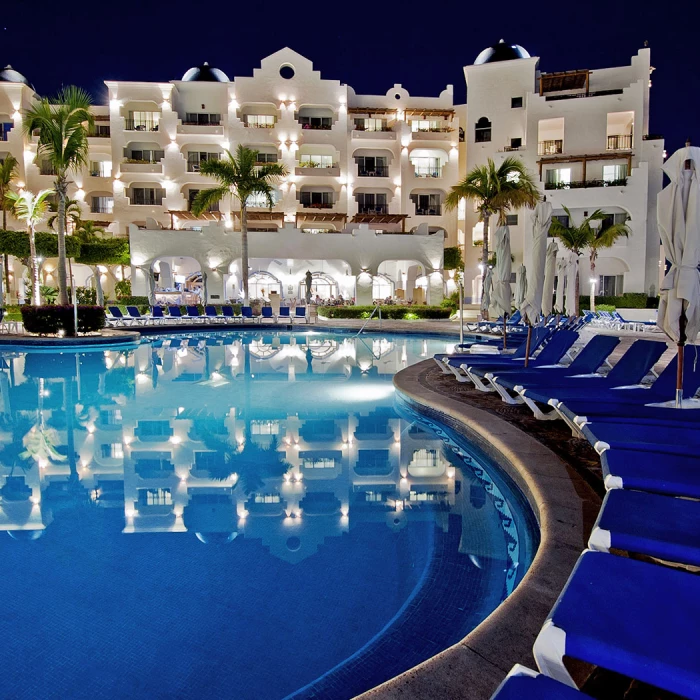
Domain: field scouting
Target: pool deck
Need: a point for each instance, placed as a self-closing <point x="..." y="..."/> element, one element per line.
<point x="563" y="503"/>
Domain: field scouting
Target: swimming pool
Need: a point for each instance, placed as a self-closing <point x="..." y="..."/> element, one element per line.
<point x="239" y="514"/>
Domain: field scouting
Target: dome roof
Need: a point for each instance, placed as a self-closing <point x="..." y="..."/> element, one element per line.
<point x="205" y="74"/>
<point x="501" y="52"/>
<point x="9" y="75"/>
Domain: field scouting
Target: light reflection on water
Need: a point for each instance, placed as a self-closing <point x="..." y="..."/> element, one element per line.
<point x="288" y="442"/>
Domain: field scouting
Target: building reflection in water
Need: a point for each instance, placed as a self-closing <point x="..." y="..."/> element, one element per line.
<point x="287" y="439"/>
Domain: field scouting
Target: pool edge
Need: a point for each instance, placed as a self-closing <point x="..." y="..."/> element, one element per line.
<point x="474" y="667"/>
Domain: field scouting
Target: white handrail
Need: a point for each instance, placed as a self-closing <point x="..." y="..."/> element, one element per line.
<point x="377" y="307"/>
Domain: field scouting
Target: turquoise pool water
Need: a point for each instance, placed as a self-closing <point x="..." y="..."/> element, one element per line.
<point x="238" y="514"/>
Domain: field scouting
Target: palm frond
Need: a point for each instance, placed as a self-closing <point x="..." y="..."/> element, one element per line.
<point x="207" y="198"/>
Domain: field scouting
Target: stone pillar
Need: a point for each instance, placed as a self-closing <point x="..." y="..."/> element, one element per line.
<point x="215" y="287"/>
<point x="435" y="288"/>
<point x="165" y="280"/>
<point x="139" y="281"/>
<point x="363" y="289"/>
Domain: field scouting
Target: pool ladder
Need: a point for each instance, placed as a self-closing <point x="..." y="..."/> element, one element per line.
<point x="374" y="310"/>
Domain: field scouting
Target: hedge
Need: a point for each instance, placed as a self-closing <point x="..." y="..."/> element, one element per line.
<point x="453" y="259"/>
<point x="46" y="320"/>
<point x="17" y="243"/>
<point x="110" y="251"/>
<point x="128" y="301"/>
<point x="390" y="312"/>
<point x="630" y="300"/>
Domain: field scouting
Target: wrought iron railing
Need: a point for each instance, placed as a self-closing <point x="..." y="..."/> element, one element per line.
<point x="619" y="142"/>
<point x="550" y="148"/>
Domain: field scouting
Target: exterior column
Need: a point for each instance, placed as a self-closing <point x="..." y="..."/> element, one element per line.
<point x="139" y="281"/>
<point x="436" y="289"/>
<point x="363" y="288"/>
<point x="216" y="294"/>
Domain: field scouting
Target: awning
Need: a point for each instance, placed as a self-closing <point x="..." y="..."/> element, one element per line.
<point x="568" y="80"/>
<point x="204" y="216"/>
<point x="371" y="110"/>
<point x="320" y="217"/>
<point x="446" y="113"/>
<point x="262" y="215"/>
<point x="379" y="218"/>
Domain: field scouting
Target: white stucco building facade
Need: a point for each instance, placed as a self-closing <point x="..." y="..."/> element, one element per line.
<point x="362" y="206"/>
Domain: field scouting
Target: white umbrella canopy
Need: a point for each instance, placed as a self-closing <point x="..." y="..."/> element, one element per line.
<point x="531" y="308"/>
<point x="501" y="295"/>
<point x="571" y="273"/>
<point x="550" y="272"/>
<point x="521" y="283"/>
<point x="678" y="212"/>
<point x="561" y="277"/>
<point x="488" y="284"/>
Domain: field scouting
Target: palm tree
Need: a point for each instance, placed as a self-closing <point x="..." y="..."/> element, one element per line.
<point x="63" y="125"/>
<point x="587" y="236"/>
<point x="73" y="215"/>
<point x="495" y="190"/>
<point x="88" y="232"/>
<point x="31" y="209"/>
<point x="240" y="177"/>
<point x="8" y="173"/>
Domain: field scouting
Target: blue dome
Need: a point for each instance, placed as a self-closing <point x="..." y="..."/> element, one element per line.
<point x="501" y="52"/>
<point x="9" y="75"/>
<point x="205" y="74"/>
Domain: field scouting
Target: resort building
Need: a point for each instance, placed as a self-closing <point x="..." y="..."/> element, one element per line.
<point x="363" y="205"/>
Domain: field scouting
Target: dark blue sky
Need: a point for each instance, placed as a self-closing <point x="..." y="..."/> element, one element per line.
<point x="369" y="45"/>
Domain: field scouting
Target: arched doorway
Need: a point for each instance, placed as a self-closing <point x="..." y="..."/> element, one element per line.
<point x="322" y="285"/>
<point x="382" y="287"/>
<point x="261" y="283"/>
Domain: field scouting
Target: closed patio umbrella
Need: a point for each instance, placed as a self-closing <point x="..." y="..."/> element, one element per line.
<point x="561" y="276"/>
<point x="520" y="287"/>
<point x="678" y="212"/>
<point x="488" y="284"/>
<point x="550" y="272"/>
<point x="502" y="296"/>
<point x="571" y="274"/>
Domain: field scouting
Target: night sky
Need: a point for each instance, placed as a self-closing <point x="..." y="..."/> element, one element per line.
<point x="368" y="45"/>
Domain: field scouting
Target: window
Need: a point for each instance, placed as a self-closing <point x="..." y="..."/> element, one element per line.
<point x="5" y="128"/>
<point x="114" y="450"/>
<point x="371" y="124"/>
<point x="563" y="219"/>
<point x="611" y="219"/>
<point x="100" y="130"/>
<point x="266" y="158"/>
<point x="111" y="416"/>
<point x="516" y="102"/>
<point x="266" y="498"/>
<point x="196" y="158"/>
<point x="317" y="161"/>
<point x="319" y="463"/>
<point x="142" y="121"/>
<point x="427" y="167"/>
<point x="423" y="497"/>
<point x="426" y="125"/>
<point x="214" y="206"/>
<point x="615" y="173"/>
<point x="317" y="200"/>
<point x="155" y="497"/>
<point x="145" y="155"/>
<point x="371" y="203"/>
<point x="372" y="166"/>
<point x="316" y="122"/>
<point x="202" y="119"/>
<point x="102" y="205"/>
<point x="264" y="427"/>
<point x="516" y="143"/>
<point x="558" y="178"/>
<point x="148" y="196"/>
<point x="427" y="204"/>
<point x="101" y="168"/>
<point x="154" y="428"/>
<point x="424" y="458"/>
<point x="482" y="131"/>
<point x="258" y="199"/>
<point x="374" y="496"/>
<point x="610" y="285"/>
<point x="511" y="219"/>
<point x="260" y="121"/>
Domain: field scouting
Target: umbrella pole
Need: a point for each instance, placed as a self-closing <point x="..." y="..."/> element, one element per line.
<point x="505" y="319"/>
<point x="527" y="343"/>
<point x="461" y="315"/>
<point x="681" y="352"/>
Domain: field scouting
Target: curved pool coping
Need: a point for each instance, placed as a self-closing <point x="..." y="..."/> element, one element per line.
<point x="474" y="667"/>
<point x="109" y="337"/>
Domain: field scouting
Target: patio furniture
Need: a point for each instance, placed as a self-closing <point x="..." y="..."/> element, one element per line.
<point x="193" y="313"/>
<point x="300" y="315"/>
<point x="267" y="313"/>
<point x="247" y="315"/>
<point x="115" y="317"/>
<point x="212" y="315"/>
<point x="284" y="313"/>
<point x="523" y="684"/>
<point x="136" y="316"/>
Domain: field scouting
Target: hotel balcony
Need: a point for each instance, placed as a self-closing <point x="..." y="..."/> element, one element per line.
<point x="424" y="172"/>
<point x="550" y="148"/>
<point x="201" y="129"/>
<point x="435" y="134"/>
<point x="317" y="205"/>
<point x="584" y="184"/>
<point x="333" y="171"/>
<point x="141" y="124"/>
<point x="365" y="134"/>
<point x="132" y="165"/>
<point x="376" y="171"/>
<point x="620" y="142"/>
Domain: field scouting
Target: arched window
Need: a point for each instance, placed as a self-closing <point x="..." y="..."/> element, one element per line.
<point x="482" y="130"/>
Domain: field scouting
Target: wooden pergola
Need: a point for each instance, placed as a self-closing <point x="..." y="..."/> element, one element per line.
<point x="189" y="216"/>
<point x="327" y="217"/>
<point x="381" y="219"/>
<point x="567" y="80"/>
<point x="371" y="110"/>
<point x="444" y="113"/>
<point x="585" y="159"/>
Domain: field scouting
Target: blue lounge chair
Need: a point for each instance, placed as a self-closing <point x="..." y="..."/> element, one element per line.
<point x="523" y="684"/>
<point x="628" y="616"/>
<point x="228" y="314"/>
<point x="157" y="314"/>
<point x="267" y="313"/>
<point x="193" y="313"/>
<point x="115" y="317"/>
<point x="211" y="314"/>
<point x="550" y="355"/>
<point x="651" y="469"/>
<point x="629" y="370"/>
<point x="588" y="361"/>
<point x="284" y="313"/>
<point x="300" y="314"/>
<point x="247" y="314"/>
<point x="174" y="313"/>
<point x="136" y="317"/>
<point x="645" y="523"/>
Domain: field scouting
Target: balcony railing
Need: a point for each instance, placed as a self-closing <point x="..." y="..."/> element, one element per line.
<point x="359" y="127"/>
<point x="597" y="93"/>
<point x="376" y="171"/>
<point x="550" y="148"/>
<point x="140" y="125"/>
<point x="99" y="132"/>
<point x="429" y="211"/>
<point x="317" y="205"/>
<point x="620" y="142"/>
<point x="379" y="209"/>
<point x="581" y="184"/>
<point x="427" y="172"/>
<point x="309" y="125"/>
<point x="260" y="125"/>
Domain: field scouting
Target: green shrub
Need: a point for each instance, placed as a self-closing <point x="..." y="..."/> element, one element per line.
<point x="411" y="316"/>
<point x="123" y="288"/>
<point x="604" y="307"/>
<point x="48" y="294"/>
<point x="630" y="300"/>
<point x="388" y="312"/>
<point x="450" y="302"/>
<point x="129" y="301"/>
<point x="453" y="259"/>
<point x="48" y="320"/>
<point x="86" y="295"/>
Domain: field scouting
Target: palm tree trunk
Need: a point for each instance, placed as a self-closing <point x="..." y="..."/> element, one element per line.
<point x="4" y="287"/>
<point x="593" y="285"/>
<point x="485" y="261"/>
<point x="61" y="187"/>
<point x="244" y="252"/>
<point x="36" y="297"/>
<point x="578" y="291"/>
<point x="98" y="286"/>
